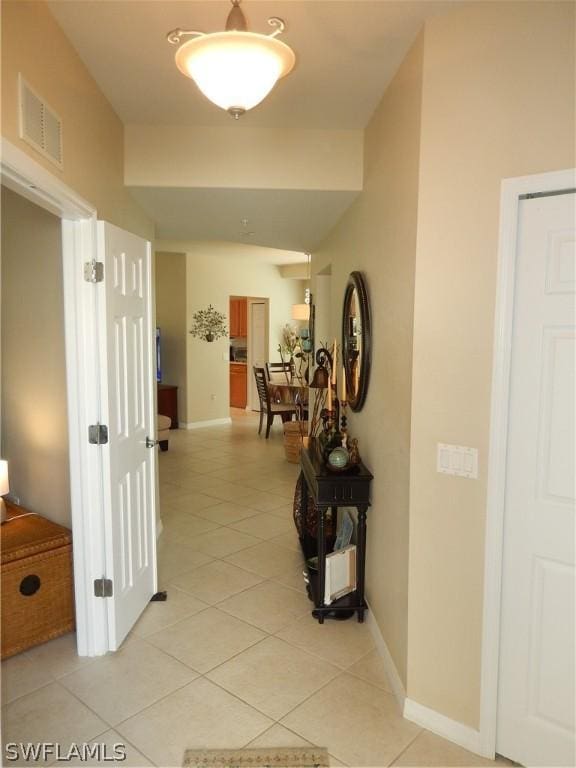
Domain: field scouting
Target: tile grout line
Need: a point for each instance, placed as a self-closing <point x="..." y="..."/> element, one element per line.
<point x="406" y="748"/>
<point x="228" y="448"/>
<point x="317" y="655"/>
<point x="203" y="674"/>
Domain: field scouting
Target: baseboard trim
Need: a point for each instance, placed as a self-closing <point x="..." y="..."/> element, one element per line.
<point x="389" y="666"/>
<point x="458" y="733"/>
<point x="209" y="423"/>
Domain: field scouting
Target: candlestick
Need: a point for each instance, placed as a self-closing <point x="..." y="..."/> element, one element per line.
<point x="343" y="384"/>
<point x="344" y="424"/>
<point x="329" y="404"/>
<point x="334" y="362"/>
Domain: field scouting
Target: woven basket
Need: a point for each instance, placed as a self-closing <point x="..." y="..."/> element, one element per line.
<point x="37" y="585"/>
<point x="294" y="433"/>
<point x="306" y="522"/>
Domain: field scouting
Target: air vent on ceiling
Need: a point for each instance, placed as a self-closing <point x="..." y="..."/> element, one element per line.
<point x="40" y="126"/>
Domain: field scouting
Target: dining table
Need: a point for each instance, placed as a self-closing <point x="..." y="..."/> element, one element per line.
<point x="283" y="390"/>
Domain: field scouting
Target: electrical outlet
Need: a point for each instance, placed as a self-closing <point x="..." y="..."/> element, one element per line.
<point x="212" y="397"/>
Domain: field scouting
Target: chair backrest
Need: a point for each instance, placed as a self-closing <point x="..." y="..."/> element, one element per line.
<point x="262" y="387"/>
<point x="285" y="369"/>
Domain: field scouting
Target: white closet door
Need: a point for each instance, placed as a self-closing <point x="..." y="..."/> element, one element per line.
<point x="537" y="672"/>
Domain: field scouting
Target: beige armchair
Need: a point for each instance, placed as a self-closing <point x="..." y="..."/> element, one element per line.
<point x="163" y="424"/>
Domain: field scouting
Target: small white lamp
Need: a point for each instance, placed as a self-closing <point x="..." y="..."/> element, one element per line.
<point x="4" y="488"/>
<point x="300" y="311"/>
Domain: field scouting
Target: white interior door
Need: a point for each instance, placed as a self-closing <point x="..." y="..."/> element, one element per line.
<point x="536" y="678"/>
<point x="257" y="347"/>
<point x="129" y="465"/>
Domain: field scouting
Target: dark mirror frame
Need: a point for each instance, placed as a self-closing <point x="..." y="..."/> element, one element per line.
<point x="357" y="283"/>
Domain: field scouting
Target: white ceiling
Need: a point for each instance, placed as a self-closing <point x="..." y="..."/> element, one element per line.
<point x="285" y="219"/>
<point x="214" y="248"/>
<point x="347" y="53"/>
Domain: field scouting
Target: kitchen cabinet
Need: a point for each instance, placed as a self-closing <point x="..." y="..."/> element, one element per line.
<point x="238" y="318"/>
<point x="238" y="385"/>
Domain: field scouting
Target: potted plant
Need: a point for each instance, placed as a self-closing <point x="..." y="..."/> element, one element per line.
<point x="291" y="349"/>
<point x="208" y="324"/>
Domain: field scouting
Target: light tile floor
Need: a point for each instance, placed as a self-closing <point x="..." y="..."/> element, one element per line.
<point x="233" y="658"/>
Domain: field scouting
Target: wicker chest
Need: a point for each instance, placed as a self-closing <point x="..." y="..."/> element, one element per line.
<point x="37" y="585"/>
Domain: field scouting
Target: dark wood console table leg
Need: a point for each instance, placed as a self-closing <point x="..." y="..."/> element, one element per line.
<point x="321" y="565"/>
<point x="361" y="559"/>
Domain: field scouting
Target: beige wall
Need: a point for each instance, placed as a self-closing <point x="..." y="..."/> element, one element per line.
<point x="171" y="319"/>
<point x="486" y="93"/>
<point x="34" y="418"/>
<point x="34" y="45"/>
<point x="249" y="158"/>
<point x="211" y="278"/>
<point x="498" y="101"/>
<point x="378" y="237"/>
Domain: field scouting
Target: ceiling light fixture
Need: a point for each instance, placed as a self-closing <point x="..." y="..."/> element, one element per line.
<point x="235" y="69"/>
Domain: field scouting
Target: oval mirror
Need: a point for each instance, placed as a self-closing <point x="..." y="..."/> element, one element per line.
<point x="356" y="340"/>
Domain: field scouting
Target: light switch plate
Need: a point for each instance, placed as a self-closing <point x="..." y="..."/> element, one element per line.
<point x="457" y="460"/>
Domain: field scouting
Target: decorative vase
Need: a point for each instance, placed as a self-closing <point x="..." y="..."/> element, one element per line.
<point x="338" y="458"/>
<point x="209" y="336"/>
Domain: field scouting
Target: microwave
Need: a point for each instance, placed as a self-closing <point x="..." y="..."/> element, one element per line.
<point x="239" y="354"/>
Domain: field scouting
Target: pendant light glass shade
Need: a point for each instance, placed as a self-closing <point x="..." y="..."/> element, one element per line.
<point x="300" y="311"/>
<point x="235" y="70"/>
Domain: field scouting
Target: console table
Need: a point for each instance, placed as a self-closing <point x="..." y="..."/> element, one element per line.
<point x="168" y="403"/>
<point x="330" y="490"/>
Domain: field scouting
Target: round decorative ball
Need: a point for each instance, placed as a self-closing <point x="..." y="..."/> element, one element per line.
<point x="338" y="458"/>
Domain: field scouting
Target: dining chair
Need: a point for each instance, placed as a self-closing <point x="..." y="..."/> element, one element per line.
<point x="284" y="410"/>
<point x="285" y="370"/>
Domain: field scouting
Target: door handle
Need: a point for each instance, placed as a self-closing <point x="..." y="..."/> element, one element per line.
<point x="151" y="443"/>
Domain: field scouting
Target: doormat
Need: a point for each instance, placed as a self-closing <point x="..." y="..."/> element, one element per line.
<point x="284" y="757"/>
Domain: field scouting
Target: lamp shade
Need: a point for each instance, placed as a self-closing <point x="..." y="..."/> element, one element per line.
<point x="235" y="70"/>
<point x="300" y="311"/>
<point x="4" y="484"/>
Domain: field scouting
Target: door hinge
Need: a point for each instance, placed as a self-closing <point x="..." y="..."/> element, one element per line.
<point x="93" y="271"/>
<point x="103" y="587"/>
<point x="97" y="434"/>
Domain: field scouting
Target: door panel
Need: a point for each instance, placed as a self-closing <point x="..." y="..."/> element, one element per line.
<point x="258" y="345"/>
<point x="129" y="464"/>
<point x="537" y="670"/>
